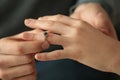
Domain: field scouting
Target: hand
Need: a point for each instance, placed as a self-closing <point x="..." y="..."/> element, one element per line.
<point x="17" y="55"/>
<point x="14" y="67"/>
<point x="81" y="42"/>
<point x="94" y="14"/>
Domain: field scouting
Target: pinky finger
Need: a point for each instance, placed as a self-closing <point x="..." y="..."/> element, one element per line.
<point x="54" y="55"/>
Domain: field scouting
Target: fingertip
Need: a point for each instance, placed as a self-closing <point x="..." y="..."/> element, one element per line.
<point x="45" y="45"/>
<point x="37" y="56"/>
<point x="27" y="21"/>
<point x="40" y="57"/>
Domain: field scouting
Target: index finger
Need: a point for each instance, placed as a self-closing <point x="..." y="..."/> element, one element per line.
<point x="52" y="26"/>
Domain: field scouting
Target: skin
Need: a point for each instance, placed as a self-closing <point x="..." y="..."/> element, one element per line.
<point x="96" y="50"/>
<point x="94" y="14"/>
<point x="22" y="48"/>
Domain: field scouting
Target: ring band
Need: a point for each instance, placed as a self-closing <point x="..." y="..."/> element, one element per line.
<point x="45" y="34"/>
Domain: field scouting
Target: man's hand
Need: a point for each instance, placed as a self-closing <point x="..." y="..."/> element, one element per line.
<point x="17" y="55"/>
<point x="94" y="14"/>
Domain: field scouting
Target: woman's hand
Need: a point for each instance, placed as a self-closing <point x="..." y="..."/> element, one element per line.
<point x="81" y="42"/>
<point x="17" y="55"/>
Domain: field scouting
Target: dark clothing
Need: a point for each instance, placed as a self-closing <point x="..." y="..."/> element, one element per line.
<point x="12" y="15"/>
<point x="13" y="12"/>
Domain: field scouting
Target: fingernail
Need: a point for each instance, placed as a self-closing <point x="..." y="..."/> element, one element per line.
<point x="28" y="21"/>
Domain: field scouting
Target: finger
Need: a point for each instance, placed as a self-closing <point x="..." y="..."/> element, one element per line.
<point x="56" y="39"/>
<point x="63" y="19"/>
<point x="7" y="61"/>
<point x="54" y="55"/>
<point x="52" y="26"/>
<point x="13" y="72"/>
<point x="27" y="77"/>
<point x="45" y="45"/>
<point x="36" y="34"/>
<point x="19" y="47"/>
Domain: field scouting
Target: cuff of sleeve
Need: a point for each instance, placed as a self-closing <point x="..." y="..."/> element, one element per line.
<point x="103" y="3"/>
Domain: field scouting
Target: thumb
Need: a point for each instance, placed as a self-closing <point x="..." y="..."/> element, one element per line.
<point x="103" y="23"/>
<point x="54" y="55"/>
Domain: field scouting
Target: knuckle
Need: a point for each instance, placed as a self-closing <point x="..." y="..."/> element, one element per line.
<point x="58" y="17"/>
<point x="18" y="49"/>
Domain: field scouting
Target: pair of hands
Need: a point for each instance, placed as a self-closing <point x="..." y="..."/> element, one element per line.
<point x="78" y="38"/>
